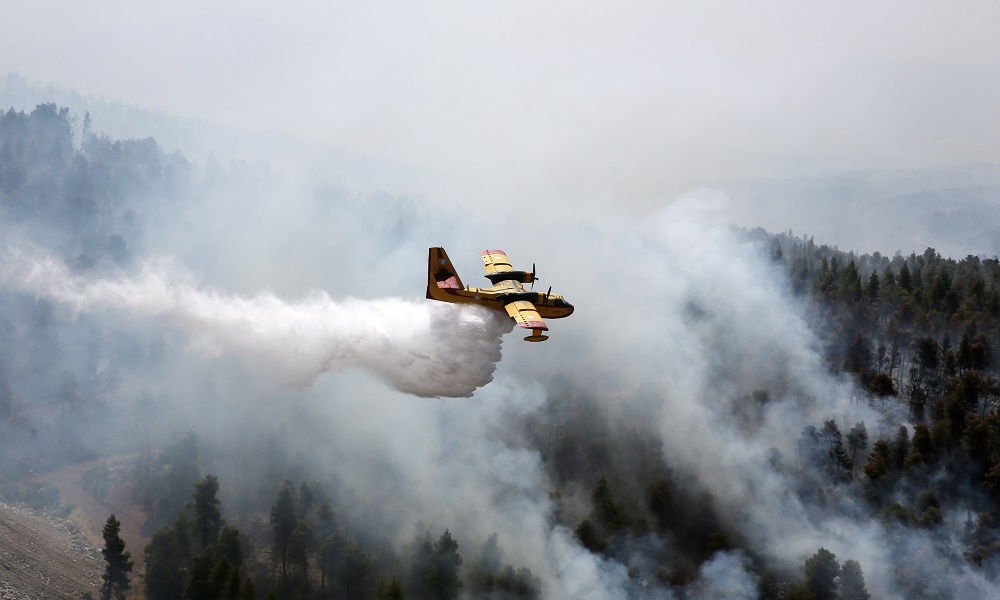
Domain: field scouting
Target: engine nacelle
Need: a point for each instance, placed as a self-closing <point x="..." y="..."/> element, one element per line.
<point x="519" y="276"/>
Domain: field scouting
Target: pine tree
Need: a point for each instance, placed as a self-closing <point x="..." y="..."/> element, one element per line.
<point x="481" y="574"/>
<point x="587" y="534"/>
<point x="329" y="539"/>
<point x="300" y="546"/>
<point x="901" y="447"/>
<point x="249" y="591"/>
<point x="283" y="522"/>
<point x="306" y="499"/>
<point x="927" y="508"/>
<point x="857" y="439"/>
<point x="229" y="545"/>
<point x="852" y="582"/>
<point x="905" y="280"/>
<point x="165" y="565"/>
<point x="879" y="463"/>
<point x="821" y="574"/>
<point x="208" y="519"/>
<point x="605" y="512"/>
<point x="836" y="453"/>
<point x="199" y="584"/>
<point x="391" y="591"/>
<point x="118" y="559"/>
<point x="442" y="580"/>
<point x="873" y="288"/>
<point x="355" y="570"/>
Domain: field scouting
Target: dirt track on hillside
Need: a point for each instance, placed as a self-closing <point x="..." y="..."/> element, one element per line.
<point x="90" y="513"/>
<point x="47" y="557"/>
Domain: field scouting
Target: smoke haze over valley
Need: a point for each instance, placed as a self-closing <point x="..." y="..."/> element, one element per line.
<point x="213" y="260"/>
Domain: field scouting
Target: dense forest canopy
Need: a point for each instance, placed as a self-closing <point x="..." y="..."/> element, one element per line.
<point x="788" y="420"/>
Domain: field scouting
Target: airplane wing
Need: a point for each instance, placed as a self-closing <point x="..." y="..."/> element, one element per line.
<point x="498" y="268"/>
<point x="526" y="316"/>
<point x="496" y="261"/>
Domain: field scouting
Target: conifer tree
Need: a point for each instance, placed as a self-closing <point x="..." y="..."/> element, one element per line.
<point x="852" y="582"/>
<point x="118" y="559"/>
<point x="328" y="538"/>
<point x="355" y="570"/>
<point x="249" y="591"/>
<point x="166" y="562"/>
<point x="300" y="546"/>
<point x="836" y="453"/>
<point x="283" y="522"/>
<point x="306" y="499"/>
<point x="208" y="519"/>
<point x="901" y="447"/>
<point x="229" y="545"/>
<point x="605" y="512"/>
<point x="199" y="584"/>
<point x="879" y="462"/>
<point x="857" y="439"/>
<point x="443" y="580"/>
<point x="873" y="288"/>
<point x="905" y="280"/>
<point x="391" y="591"/>
<point x="821" y="574"/>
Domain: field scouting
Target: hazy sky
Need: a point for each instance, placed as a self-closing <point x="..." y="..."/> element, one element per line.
<point x="586" y="100"/>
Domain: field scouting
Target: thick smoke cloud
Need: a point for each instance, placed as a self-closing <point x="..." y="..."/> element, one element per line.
<point x="425" y="349"/>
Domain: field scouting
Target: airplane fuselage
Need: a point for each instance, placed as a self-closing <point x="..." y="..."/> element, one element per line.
<point x="549" y="306"/>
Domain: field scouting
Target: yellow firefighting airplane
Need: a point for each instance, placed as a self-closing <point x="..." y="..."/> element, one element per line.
<point x="526" y="307"/>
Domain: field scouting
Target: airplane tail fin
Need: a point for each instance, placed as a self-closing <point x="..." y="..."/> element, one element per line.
<point x="441" y="275"/>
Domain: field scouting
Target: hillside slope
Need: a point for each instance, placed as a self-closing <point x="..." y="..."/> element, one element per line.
<point x="44" y="557"/>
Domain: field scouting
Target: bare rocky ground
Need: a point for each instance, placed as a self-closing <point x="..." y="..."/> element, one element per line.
<point x="45" y="557"/>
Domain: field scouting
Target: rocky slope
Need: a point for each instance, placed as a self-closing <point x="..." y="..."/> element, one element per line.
<point x="45" y="557"/>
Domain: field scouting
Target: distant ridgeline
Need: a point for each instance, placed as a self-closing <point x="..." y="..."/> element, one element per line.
<point x="82" y="192"/>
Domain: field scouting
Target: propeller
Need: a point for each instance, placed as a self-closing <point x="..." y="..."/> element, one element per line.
<point x="532" y="276"/>
<point x="546" y="300"/>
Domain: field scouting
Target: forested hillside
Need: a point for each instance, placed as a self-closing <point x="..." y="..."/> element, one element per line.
<point x="239" y="501"/>
<point x="919" y="335"/>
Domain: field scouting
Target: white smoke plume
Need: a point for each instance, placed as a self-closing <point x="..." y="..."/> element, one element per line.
<point x="419" y="347"/>
<point x="726" y="575"/>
